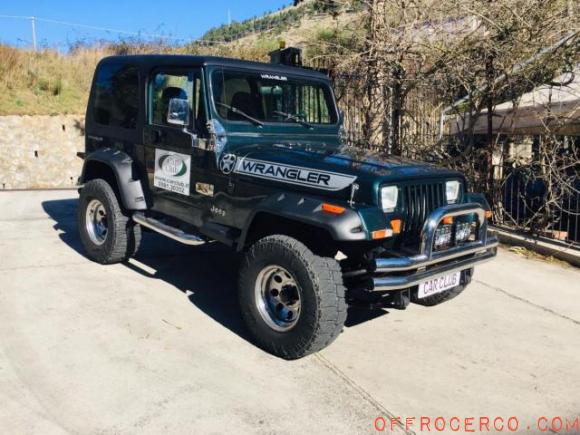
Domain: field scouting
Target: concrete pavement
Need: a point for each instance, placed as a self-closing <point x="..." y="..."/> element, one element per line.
<point x="157" y="344"/>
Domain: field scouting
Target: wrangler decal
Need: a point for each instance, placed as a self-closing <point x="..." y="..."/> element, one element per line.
<point x="293" y="174"/>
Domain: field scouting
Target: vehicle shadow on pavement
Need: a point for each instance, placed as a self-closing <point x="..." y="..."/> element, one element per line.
<point x="207" y="274"/>
<point x="64" y="214"/>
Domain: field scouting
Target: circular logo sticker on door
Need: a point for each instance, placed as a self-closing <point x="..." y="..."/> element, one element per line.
<point x="228" y="163"/>
<point x="173" y="165"/>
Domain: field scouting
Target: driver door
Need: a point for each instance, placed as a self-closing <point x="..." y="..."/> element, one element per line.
<point x="171" y="135"/>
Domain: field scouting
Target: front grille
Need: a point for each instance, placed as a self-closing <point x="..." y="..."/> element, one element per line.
<point x="417" y="202"/>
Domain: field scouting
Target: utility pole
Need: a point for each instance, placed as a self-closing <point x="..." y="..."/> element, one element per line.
<point x="33" y="24"/>
<point x="229" y="17"/>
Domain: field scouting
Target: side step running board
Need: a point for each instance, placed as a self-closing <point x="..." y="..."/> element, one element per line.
<point x="168" y="231"/>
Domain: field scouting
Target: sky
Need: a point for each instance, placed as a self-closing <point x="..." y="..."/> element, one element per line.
<point x="180" y="19"/>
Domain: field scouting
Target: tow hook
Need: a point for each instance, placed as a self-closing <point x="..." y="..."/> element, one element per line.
<point x="397" y="300"/>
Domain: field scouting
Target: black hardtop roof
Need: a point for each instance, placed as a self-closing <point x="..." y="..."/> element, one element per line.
<point x="153" y="60"/>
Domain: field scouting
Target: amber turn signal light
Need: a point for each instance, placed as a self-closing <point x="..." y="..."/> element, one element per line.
<point x="396" y="225"/>
<point x="448" y="220"/>
<point x="333" y="209"/>
<point x="488" y="214"/>
<point x="381" y="234"/>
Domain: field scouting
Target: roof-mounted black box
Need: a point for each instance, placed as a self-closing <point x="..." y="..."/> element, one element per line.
<point x="290" y="56"/>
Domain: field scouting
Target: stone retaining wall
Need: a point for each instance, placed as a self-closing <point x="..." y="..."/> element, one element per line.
<point x="40" y="151"/>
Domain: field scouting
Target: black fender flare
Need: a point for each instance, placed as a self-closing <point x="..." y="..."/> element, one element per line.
<point x="122" y="165"/>
<point x="347" y="226"/>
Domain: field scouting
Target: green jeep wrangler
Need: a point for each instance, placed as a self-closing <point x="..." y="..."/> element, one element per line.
<point x="251" y="155"/>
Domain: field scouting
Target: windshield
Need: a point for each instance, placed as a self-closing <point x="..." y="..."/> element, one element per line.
<point x="267" y="97"/>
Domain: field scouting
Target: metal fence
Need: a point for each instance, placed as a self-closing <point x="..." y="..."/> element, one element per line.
<point x="419" y="114"/>
<point x="349" y="89"/>
<point x="524" y="205"/>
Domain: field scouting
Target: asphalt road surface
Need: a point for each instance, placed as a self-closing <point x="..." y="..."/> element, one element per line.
<point x="157" y="345"/>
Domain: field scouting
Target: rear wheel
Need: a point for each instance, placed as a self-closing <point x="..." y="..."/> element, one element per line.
<point x="108" y="235"/>
<point x="291" y="299"/>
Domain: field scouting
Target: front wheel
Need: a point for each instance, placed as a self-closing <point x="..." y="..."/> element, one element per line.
<point x="108" y="235"/>
<point x="291" y="299"/>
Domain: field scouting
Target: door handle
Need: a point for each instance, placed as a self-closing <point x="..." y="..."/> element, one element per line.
<point x="157" y="134"/>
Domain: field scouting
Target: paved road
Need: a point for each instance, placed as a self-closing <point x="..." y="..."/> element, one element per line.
<point x="157" y="345"/>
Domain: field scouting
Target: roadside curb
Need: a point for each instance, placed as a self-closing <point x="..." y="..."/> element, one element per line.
<point x="564" y="253"/>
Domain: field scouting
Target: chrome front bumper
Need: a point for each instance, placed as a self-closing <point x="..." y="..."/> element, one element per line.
<point x="398" y="273"/>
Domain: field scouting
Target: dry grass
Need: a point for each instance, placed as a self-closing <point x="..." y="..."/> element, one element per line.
<point x="533" y="255"/>
<point x="45" y="82"/>
<point x="48" y="82"/>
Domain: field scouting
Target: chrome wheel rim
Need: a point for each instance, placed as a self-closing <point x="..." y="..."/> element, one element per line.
<point x="96" y="222"/>
<point x="278" y="298"/>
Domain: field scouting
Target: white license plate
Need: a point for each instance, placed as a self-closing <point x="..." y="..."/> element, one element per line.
<point x="438" y="285"/>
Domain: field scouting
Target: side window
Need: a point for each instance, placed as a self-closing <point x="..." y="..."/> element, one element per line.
<point x="116" y="98"/>
<point x="313" y="104"/>
<point x="184" y="85"/>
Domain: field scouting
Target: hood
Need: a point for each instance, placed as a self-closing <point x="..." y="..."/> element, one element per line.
<point x="361" y="163"/>
<point x="346" y="166"/>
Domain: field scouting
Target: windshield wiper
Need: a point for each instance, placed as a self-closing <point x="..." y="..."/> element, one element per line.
<point x="240" y="112"/>
<point x="295" y="118"/>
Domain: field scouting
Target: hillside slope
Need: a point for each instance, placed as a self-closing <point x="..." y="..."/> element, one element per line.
<point x="49" y="83"/>
<point x="296" y="25"/>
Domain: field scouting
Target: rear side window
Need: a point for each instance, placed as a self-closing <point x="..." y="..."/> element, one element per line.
<point x="116" y="98"/>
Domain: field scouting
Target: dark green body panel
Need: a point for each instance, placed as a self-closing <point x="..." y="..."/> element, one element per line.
<point x="238" y="197"/>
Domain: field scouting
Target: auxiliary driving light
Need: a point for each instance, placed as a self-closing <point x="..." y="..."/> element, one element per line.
<point x="464" y="231"/>
<point x="452" y="232"/>
<point x="443" y="236"/>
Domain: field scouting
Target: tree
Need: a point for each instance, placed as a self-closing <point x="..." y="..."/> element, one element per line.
<point x="413" y="64"/>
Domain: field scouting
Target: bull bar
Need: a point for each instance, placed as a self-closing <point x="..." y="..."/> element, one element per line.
<point x="389" y="273"/>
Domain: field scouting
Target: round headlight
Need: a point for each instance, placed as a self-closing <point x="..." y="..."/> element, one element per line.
<point x="452" y="191"/>
<point x="389" y="195"/>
